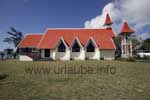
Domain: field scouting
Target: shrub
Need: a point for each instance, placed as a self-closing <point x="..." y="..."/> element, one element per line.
<point x="87" y="58"/>
<point x="71" y="58"/>
<point x="3" y="76"/>
<point x="102" y="58"/>
<point x="131" y="59"/>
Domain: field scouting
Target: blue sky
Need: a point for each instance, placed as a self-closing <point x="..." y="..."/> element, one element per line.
<point x="34" y="16"/>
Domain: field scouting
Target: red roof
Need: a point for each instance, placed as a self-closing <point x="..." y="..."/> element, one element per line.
<point x="108" y="20"/>
<point x="102" y="37"/>
<point x="126" y="29"/>
<point x="30" y="41"/>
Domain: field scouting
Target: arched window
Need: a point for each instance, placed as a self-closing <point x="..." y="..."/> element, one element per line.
<point x="90" y="48"/>
<point x="76" y="47"/>
<point x="61" y="47"/>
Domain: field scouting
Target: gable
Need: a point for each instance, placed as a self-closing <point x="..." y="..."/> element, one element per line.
<point x="76" y="40"/>
<point x="61" y="40"/>
<point x="91" y="40"/>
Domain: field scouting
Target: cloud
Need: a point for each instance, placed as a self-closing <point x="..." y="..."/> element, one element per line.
<point x="98" y="21"/>
<point x="135" y="12"/>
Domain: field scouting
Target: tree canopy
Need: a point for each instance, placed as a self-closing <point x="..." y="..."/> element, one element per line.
<point x="146" y="44"/>
<point x="14" y="37"/>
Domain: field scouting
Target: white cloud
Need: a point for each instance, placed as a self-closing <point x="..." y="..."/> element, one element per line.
<point x="136" y="12"/>
<point x="98" y="21"/>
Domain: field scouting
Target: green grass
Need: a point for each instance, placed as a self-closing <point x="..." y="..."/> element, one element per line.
<point x="130" y="82"/>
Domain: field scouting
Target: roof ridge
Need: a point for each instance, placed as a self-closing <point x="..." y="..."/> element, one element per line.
<point x="33" y="34"/>
<point x="75" y="28"/>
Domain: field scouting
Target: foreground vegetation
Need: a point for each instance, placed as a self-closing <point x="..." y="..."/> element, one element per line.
<point x="130" y="82"/>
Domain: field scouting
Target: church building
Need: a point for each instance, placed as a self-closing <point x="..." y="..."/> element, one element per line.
<point x="69" y="44"/>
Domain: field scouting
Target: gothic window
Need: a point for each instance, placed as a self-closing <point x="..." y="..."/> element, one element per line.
<point x="76" y="47"/>
<point x="90" y="48"/>
<point x="61" y="47"/>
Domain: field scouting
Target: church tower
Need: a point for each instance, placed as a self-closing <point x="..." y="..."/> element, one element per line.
<point x="126" y="42"/>
<point x="108" y="22"/>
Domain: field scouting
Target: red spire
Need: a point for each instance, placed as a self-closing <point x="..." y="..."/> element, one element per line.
<point x="126" y="29"/>
<point x="108" y="20"/>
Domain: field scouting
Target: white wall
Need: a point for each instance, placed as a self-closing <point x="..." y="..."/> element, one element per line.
<point x="42" y="53"/>
<point x="107" y="54"/>
<point x="78" y="55"/>
<point x="53" y="54"/>
<point x="62" y="55"/>
<point x="93" y="55"/>
<point x="25" y="58"/>
<point x="90" y="55"/>
<point x="97" y="54"/>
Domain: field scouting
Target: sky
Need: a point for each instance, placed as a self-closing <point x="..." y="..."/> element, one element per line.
<point x="34" y="16"/>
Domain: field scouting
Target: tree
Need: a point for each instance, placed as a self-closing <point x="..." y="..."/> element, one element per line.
<point x="146" y="44"/>
<point x="2" y="55"/>
<point x="9" y="53"/>
<point x="136" y="43"/>
<point x="117" y="41"/>
<point x="15" y="37"/>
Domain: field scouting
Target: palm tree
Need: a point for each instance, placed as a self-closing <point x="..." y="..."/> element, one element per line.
<point x="15" y="37"/>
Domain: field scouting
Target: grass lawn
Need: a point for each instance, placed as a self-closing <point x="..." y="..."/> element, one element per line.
<point x="131" y="81"/>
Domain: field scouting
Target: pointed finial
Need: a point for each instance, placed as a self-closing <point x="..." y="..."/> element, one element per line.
<point x="108" y="20"/>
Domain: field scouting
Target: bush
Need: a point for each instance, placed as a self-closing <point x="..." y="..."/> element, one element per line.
<point x="131" y="59"/>
<point x="71" y="59"/>
<point x="87" y="58"/>
<point x="146" y="57"/>
<point x="121" y="59"/>
<point x="3" y="76"/>
<point x="102" y="58"/>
